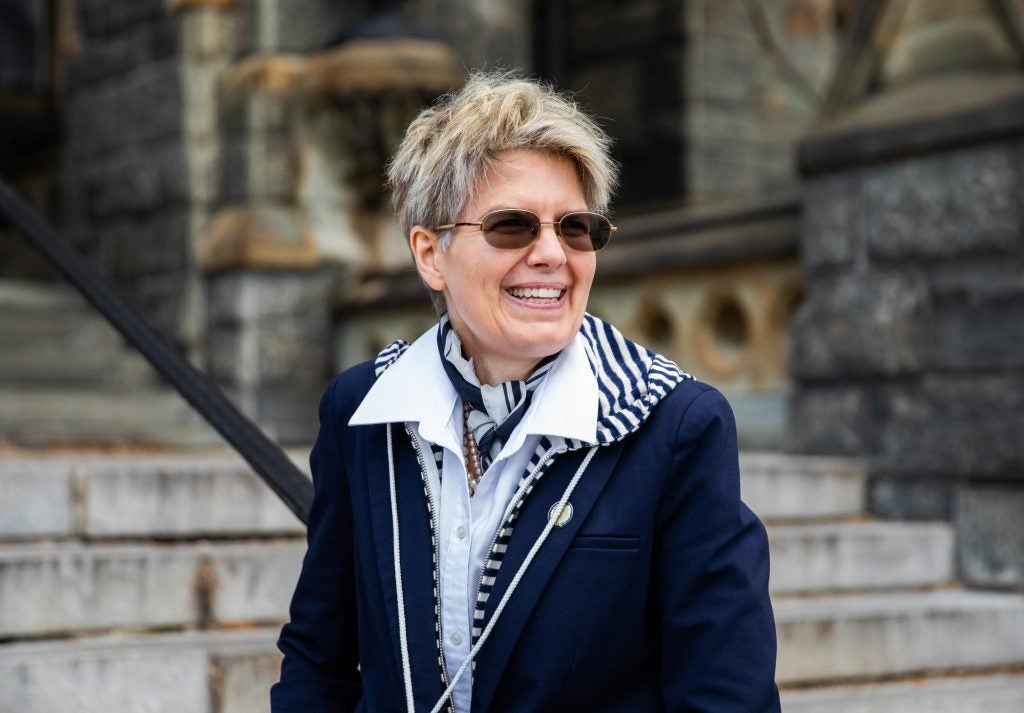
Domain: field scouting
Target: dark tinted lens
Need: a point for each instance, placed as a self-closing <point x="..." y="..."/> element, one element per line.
<point x="585" y="231"/>
<point x="510" y="228"/>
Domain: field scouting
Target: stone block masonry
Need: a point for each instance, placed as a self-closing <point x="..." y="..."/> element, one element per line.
<point x="908" y="346"/>
<point x="143" y="103"/>
<point x="950" y="204"/>
<point x="988" y="520"/>
<point x="128" y="180"/>
<point x="270" y="345"/>
<point x="156" y="142"/>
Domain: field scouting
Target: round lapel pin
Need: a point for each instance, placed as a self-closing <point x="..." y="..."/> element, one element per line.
<point x="563" y="517"/>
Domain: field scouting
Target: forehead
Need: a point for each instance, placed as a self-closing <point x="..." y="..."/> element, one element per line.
<point x="527" y="178"/>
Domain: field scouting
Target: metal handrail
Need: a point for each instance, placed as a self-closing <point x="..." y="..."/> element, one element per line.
<point x="265" y="456"/>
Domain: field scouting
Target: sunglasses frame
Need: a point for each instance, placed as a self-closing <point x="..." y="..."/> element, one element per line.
<point x="555" y="224"/>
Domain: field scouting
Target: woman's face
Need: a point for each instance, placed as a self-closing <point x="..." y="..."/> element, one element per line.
<point x="512" y="308"/>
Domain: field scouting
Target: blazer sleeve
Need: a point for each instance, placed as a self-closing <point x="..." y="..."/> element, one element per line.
<point x="319" y="673"/>
<point x="718" y="632"/>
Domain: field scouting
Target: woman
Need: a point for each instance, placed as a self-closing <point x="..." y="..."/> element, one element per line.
<point x="523" y="510"/>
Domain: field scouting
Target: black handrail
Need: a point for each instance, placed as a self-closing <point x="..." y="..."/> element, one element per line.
<point x="265" y="456"/>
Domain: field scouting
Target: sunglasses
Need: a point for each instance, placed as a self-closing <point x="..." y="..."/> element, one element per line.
<point x="512" y="229"/>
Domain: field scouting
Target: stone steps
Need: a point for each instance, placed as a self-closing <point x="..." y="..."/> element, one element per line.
<point x="31" y="297"/>
<point x="79" y="586"/>
<point x="783" y="487"/>
<point x="872" y="635"/>
<point x="96" y="544"/>
<point x="145" y="496"/>
<point x="51" y="336"/>
<point x="109" y="563"/>
<point x="960" y="694"/>
<point x="67" y="378"/>
<point x="182" y="672"/>
<point x="73" y="328"/>
<point x="852" y="604"/>
<point x="32" y="313"/>
<point x="52" y="588"/>
<point x="860" y="555"/>
<point x="81" y="363"/>
<point x="44" y="416"/>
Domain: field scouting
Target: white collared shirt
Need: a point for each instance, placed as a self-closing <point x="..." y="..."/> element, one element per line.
<point x="416" y="389"/>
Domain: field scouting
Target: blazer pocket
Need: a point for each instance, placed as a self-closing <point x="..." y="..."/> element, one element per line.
<point x="606" y="542"/>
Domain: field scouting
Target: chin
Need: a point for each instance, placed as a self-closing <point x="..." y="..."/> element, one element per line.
<point x="538" y="344"/>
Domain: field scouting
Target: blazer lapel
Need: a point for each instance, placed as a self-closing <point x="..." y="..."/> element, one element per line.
<point x="417" y="562"/>
<point x="495" y="653"/>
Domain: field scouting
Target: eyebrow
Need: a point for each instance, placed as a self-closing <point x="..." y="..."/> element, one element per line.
<point x="560" y="213"/>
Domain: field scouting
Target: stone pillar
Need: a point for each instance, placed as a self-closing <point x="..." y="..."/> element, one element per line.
<point x="270" y="345"/>
<point x="156" y="143"/>
<point x="909" y="349"/>
<point x="305" y="137"/>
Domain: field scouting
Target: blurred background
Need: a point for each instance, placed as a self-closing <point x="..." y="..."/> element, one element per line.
<point x="820" y="214"/>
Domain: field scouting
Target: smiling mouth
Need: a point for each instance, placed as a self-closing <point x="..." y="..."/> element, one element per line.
<point x="537" y="295"/>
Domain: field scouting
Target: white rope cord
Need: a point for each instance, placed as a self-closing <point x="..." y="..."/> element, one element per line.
<point x="515" y="580"/>
<point x="403" y="642"/>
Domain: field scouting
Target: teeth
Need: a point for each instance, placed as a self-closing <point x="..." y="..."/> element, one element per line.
<point x="544" y="293"/>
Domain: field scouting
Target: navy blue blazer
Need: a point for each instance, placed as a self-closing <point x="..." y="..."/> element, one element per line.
<point x="654" y="596"/>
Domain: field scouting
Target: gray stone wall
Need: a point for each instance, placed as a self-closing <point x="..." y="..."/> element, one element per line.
<point x="156" y="142"/>
<point x="125" y="164"/>
<point x="754" y="77"/>
<point x="705" y="98"/>
<point x="486" y="34"/>
<point x="909" y="346"/>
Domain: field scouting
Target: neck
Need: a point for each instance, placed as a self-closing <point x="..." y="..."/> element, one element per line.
<point x="496" y="371"/>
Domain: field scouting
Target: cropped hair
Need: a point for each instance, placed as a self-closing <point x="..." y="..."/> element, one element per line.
<point x="450" y="146"/>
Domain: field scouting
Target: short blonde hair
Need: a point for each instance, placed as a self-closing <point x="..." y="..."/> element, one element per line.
<point x="450" y="146"/>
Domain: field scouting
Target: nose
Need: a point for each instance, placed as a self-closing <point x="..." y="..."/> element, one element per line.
<point x="547" y="250"/>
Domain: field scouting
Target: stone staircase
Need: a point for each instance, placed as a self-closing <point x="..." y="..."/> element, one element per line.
<point x="159" y="582"/>
<point x="67" y="378"/>
<point x="869" y="615"/>
<point x="141" y="583"/>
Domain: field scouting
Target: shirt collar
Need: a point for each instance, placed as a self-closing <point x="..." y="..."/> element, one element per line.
<point x="565" y="404"/>
<point x="416" y="389"/>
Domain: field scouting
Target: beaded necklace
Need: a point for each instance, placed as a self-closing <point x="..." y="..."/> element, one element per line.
<point x="470" y="449"/>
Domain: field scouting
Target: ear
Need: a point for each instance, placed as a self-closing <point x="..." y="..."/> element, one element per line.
<point x="426" y="251"/>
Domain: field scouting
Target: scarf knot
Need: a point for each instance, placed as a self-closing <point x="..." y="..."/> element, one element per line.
<point x="495" y="410"/>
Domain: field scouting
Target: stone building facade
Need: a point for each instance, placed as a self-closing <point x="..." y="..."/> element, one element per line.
<point x="908" y="350"/>
<point x="220" y="161"/>
<point x="820" y="215"/>
<point x="225" y="197"/>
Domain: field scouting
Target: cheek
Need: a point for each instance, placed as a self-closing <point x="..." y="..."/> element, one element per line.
<point x="584" y="269"/>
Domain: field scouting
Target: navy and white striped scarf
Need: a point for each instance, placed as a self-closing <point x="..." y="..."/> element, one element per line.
<point x="496" y="410"/>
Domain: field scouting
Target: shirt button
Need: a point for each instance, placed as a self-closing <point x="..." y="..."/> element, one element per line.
<point x="460" y="531"/>
<point x="456" y="638"/>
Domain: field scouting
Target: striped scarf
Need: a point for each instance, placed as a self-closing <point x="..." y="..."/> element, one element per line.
<point x="496" y="410"/>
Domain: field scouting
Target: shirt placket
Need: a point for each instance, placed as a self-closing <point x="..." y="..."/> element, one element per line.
<point x="455" y="573"/>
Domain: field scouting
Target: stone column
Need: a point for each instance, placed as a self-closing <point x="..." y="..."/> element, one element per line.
<point x="270" y="345"/>
<point x="910" y="347"/>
